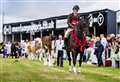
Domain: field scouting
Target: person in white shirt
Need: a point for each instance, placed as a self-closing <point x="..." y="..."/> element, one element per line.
<point x="8" y="46"/>
<point x="59" y="49"/>
<point x="24" y="48"/>
<point x="103" y="41"/>
<point x="105" y="44"/>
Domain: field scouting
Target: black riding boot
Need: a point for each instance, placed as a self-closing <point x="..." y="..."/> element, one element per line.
<point x="65" y="43"/>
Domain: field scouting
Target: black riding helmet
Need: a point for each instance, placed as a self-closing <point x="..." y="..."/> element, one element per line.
<point x="76" y="7"/>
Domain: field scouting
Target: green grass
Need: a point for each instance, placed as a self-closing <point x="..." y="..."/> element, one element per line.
<point x="35" y="71"/>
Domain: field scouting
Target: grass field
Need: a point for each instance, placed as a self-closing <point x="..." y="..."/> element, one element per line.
<point x="34" y="71"/>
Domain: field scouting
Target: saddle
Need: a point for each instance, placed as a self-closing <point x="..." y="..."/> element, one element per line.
<point x="79" y="40"/>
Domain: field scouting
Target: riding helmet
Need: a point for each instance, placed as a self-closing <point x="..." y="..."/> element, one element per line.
<point x="76" y="7"/>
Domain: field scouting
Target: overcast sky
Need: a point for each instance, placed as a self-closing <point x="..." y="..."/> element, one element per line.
<point x="20" y="10"/>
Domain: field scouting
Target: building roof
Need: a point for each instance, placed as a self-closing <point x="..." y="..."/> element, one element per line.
<point x="54" y="18"/>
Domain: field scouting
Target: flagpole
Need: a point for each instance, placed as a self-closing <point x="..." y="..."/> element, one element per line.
<point x="2" y="21"/>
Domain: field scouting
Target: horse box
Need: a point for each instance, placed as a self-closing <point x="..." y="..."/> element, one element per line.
<point x="108" y="63"/>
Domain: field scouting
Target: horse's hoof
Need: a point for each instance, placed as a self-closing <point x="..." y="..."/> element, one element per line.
<point x="70" y="69"/>
<point x="79" y="71"/>
<point x="74" y="70"/>
<point x="45" y="63"/>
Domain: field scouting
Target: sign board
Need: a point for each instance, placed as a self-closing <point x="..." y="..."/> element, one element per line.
<point x="33" y="27"/>
<point x="61" y="23"/>
<point x="7" y="30"/>
<point x="47" y="25"/>
<point x="98" y="19"/>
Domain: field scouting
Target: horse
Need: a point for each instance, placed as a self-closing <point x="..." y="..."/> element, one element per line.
<point x="47" y="42"/>
<point x="77" y="43"/>
<point x="35" y="49"/>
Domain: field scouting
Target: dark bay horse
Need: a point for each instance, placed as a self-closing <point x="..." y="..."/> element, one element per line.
<point x="77" y="44"/>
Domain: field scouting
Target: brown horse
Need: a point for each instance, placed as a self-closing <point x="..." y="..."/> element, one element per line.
<point x="76" y="47"/>
<point x="46" y="43"/>
<point x="47" y="46"/>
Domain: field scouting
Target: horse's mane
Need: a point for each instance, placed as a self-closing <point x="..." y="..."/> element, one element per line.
<point x="83" y="25"/>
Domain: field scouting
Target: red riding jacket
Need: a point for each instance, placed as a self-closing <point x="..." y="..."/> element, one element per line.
<point x="73" y="20"/>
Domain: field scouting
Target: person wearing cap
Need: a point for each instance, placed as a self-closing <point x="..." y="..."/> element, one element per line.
<point x="72" y="21"/>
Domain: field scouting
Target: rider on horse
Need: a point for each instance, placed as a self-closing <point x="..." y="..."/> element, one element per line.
<point x="73" y="21"/>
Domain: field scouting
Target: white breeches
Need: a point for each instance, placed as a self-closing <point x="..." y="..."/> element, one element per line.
<point x="67" y="32"/>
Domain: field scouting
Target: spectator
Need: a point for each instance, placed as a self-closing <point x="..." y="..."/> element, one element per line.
<point x="5" y="52"/>
<point x="59" y="49"/>
<point x="13" y="50"/>
<point x="103" y="41"/>
<point x="92" y="58"/>
<point x="98" y="51"/>
<point x="117" y="52"/>
<point x="19" y="50"/>
<point x="105" y="44"/>
<point x="8" y="47"/>
<point x="24" y="47"/>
